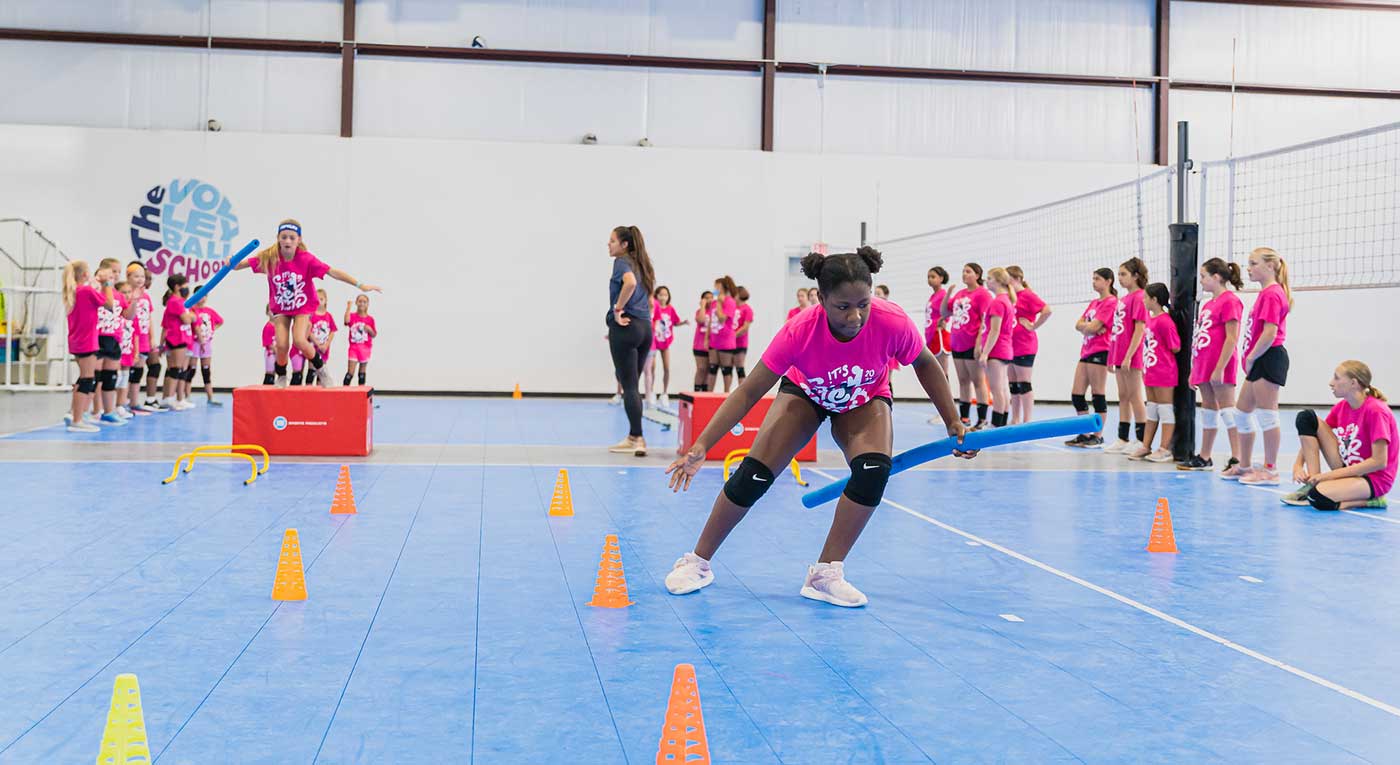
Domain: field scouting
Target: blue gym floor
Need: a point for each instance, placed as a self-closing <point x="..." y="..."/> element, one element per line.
<point x="1014" y="615"/>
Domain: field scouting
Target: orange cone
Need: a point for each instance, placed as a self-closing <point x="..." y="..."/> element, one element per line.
<point x="610" y="591"/>
<point x="343" y="503"/>
<point x="516" y="394"/>
<point x="290" y="583"/>
<point x="563" y="501"/>
<point x="1163" y="539"/>
<point x="683" y="734"/>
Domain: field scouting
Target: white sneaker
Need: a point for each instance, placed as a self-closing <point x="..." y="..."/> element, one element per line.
<point x="616" y="400"/>
<point x="1133" y="448"/>
<point x="827" y="582"/>
<point x="665" y="401"/>
<point x="83" y="427"/>
<point x="1160" y="456"/>
<point x="323" y="376"/>
<point x="1117" y="447"/>
<point x="689" y="574"/>
<point x="125" y="413"/>
<point x="185" y="405"/>
<point x="90" y="418"/>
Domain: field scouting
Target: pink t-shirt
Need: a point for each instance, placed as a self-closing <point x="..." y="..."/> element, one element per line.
<point x="1025" y="342"/>
<point x="1159" y="346"/>
<point x="932" y="314"/>
<point x="722" y="331"/>
<point x="109" y="321"/>
<point x="840" y="376"/>
<point x="205" y="319"/>
<point x="269" y="340"/>
<point x="794" y="311"/>
<point x="966" y="319"/>
<point x="1130" y="310"/>
<point x="1358" y="429"/>
<point x="128" y="342"/>
<point x="1000" y="307"/>
<point x="82" y="320"/>
<point x="322" y="325"/>
<point x="745" y="317"/>
<point x="177" y="332"/>
<point x="1101" y="310"/>
<point x="1271" y="307"/>
<point x="290" y="287"/>
<point x="144" y="308"/>
<point x="663" y="326"/>
<point x="358" y="329"/>
<point x="702" y="330"/>
<point x="1208" y="339"/>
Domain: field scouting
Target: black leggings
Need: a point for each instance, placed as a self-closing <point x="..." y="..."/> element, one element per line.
<point x="629" y="346"/>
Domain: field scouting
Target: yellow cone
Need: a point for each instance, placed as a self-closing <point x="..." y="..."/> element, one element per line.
<point x="124" y="738"/>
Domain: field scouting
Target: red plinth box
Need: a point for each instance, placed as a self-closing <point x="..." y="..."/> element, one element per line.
<point x="305" y="420"/>
<point x="696" y="410"/>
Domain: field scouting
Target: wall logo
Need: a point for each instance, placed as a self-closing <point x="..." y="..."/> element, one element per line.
<point x="184" y="227"/>
<point x="279" y="423"/>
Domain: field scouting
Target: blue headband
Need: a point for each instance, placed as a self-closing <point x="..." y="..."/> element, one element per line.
<point x="289" y="227"/>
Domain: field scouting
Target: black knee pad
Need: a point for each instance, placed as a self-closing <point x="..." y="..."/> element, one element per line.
<point x="154" y="369"/>
<point x="1307" y="423"/>
<point x="1080" y="403"/>
<point x="714" y="369"/>
<point x="134" y="377"/>
<point x="346" y="381"/>
<point x="296" y="378"/>
<point x="108" y="378"/>
<point x="87" y="384"/>
<point x="741" y="372"/>
<point x="749" y="483"/>
<point x="188" y="376"/>
<point x="869" y="474"/>
<point x="1321" y="501"/>
<point x="1026" y="386"/>
<point x="728" y="371"/>
<point x="204" y="373"/>
<point x="361" y="378"/>
<point x="268" y="378"/>
<point x="1100" y="403"/>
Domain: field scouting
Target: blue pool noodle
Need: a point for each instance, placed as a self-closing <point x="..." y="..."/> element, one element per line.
<point x="982" y="439"/>
<point x="208" y="287"/>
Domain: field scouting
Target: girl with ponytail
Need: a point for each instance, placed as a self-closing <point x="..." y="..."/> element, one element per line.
<point x="1359" y="445"/>
<point x="964" y="313"/>
<point x="831" y="361"/>
<point x="1091" y="373"/>
<point x="83" y="300"/>
<point x="1214" y="370"/>
<point x="291" y="272"/>
<point x="1265" y="365"/>
<point x="629" y="326"/>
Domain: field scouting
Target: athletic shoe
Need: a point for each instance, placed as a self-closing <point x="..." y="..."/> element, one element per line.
<point x="629" y="445"/>
<point x="1092" y="442"/>
<point x="124" y="413"/>
<point x="1260" y="477"/>
<point x="1298" y="497"/>
<point x="68" y="419"/>
<point x="1117" y="447"/>
<point x="827" y="582"/>
<point x="1233" y="470"/>
<point x="1076" y="441"/>
<point x="689" y="574"/>
<point x="616" y="400"/>
<point x="140" y="412"/>
<point x="665" y="401"/>
<point x="281" y="381"/>
<point x="90" y="418"/>
<point x="158" y="407"/>
<point x="171" y="405"/>
<point x="111" y="419"/>
<point x="185" y="405"/>
<point x="1197" y="463"/>
<point x="1377" y="503"/>
<point x="82" y="427"/>
<point x="323" y="376"/>
<point x="215" y="402"/>
<point x="1137" y="452"/>
<point x="1160" y="456"/>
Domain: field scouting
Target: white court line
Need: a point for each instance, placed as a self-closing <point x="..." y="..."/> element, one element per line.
<point x="1011" y="617"/>
<point x="1251" y="579"/>
<point x="32" y="430"/>
<point x="1372" y="516"/>
<point x="1143" y="607"/>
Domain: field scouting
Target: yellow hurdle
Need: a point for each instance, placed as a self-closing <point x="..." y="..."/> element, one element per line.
<point x="738" y="454"/>
<point x="225" y="451"/>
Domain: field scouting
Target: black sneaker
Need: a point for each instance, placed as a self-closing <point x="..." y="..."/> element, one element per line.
<point x="1195" y="462"/>
<point x="1091" y="442"/>
<point x="1077" y="440"/>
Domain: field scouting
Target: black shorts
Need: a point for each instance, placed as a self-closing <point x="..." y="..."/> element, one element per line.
<point x="966" y="355"/>
<point x="1100" y="358"/>
<point x="1272" y="366"/>
<point x="175" y="346"/>
<point x="109" y="347"/>
<point x="87" y="355"/>
<point x="700" y="353"/>
<point x="788" y="386"/>
<point x="1027" y="360"/>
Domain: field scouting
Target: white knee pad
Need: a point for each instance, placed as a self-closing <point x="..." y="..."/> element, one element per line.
<point x="1244" y="422"/>
<point x="1168" y="414"/>
<point x="1210" y="419"/>
<point x="1268" y="419"/>
<point x="1227" y="417"/>
<point x="123" y="378"/>
<point x="1152" y="415"/>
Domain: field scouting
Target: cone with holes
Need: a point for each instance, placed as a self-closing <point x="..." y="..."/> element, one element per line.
<point x="683" y="734"/>
<point x="516" y="394"/>
<point x="1163" y="539"/>
<point x="343" y="503"/>
<point x="610" y="591"/>
<point x="562" y="503"/>
<point x="290" y="583"/>
<point x="124" y="737"/>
